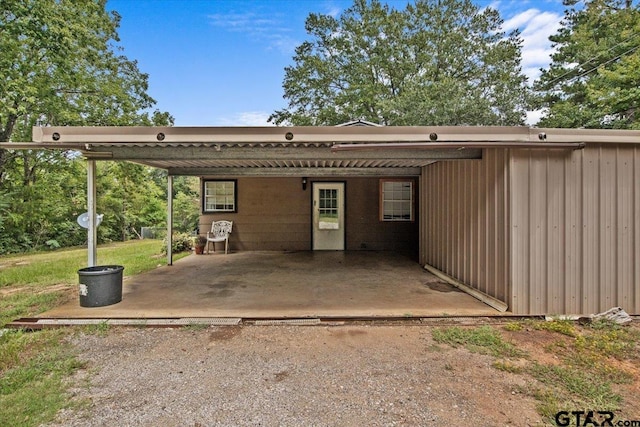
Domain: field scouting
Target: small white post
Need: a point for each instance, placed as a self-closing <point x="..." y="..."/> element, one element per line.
<point x="92" y="235"/>
<point x="169" y="219"/>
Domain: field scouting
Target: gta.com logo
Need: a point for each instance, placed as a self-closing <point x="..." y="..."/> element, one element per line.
<point x="592" y="419"/>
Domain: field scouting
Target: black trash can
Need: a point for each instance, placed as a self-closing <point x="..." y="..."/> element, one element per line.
<point x="100" y="285"/>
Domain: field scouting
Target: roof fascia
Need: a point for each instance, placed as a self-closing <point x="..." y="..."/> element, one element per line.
<point x="76" y="137"/>
<point x="271" y="134"/>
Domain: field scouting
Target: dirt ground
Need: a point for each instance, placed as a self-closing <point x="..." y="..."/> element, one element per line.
<point x="359" y="374"/>
<point x="290" y="376"/>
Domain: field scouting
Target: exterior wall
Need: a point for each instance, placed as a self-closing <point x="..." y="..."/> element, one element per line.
<point x="275" y="214"/>
<point x="576" y="230"/>
<point x="465" y="215"/>
<point x="365" y="231"/>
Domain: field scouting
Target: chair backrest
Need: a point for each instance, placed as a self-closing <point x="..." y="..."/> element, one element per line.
<point x="221" y="228"/>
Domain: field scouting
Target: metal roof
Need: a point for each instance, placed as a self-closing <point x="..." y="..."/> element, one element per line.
<point x="356" y="148"/>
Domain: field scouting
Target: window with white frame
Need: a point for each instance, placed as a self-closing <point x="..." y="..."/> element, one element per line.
<point x="220" y="196"/>
<point x="396" y="200"/>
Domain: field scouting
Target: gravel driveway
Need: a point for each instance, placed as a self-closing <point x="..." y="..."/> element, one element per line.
<point x="350" y="375"/>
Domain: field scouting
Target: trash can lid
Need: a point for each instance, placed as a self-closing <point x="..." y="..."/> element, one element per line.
<point x="101" y="269"/>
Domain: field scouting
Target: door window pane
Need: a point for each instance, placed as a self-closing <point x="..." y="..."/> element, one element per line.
<point x="328" y="209"/>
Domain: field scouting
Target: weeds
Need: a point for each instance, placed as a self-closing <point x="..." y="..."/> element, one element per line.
<point x="578" y="386"/>
<point x="484" y="340"/>
<point x="195" y="327"/>
<point x="100" y="329"/>
<point x="561" y="326"/>
<point x="513" y="326"/>
<point x="585" y="374"/>
<point x="507" y="366"/>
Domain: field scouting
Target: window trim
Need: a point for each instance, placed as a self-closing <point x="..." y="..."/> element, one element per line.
<point x="204" y="196"/>
<point x="382" y="199"/>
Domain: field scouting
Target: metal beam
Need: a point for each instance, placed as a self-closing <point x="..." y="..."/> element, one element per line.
<point x="300" y="153"/>
<point x="412" y="146"/>
<point x="273" y="134"/>
<point x="296" y="172"/>
<point x="170" y="220"/>
<point x="92" y="234"/>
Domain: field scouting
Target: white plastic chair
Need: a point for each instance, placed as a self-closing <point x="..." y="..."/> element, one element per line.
<point x="220" y="231"/>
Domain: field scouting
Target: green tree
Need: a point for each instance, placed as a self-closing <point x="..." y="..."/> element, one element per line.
<point x="437" y="62"/>
<point x="594" y="77"/>
<point x="129" y="199"/>
<point x="43" y="203"/>
<point x="186" y="204"/>
<point x="61" y="65"/>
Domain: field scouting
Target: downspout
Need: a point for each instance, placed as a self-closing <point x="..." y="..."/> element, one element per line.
<point x="169" y="219"/>
<point x="91" y="210"/>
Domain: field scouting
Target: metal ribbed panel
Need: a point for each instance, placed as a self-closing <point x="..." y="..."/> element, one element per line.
<point x="464" y="221"/>
<point x="575" y="230"/>
<point x="547" y="232"/>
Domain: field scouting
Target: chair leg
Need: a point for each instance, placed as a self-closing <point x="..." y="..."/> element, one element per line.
<point x="226" y="245"/>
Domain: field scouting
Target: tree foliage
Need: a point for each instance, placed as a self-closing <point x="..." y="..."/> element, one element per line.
<point x="61" y="65"/>
<point x="437" y="62"/>
<point x="594" y="78"/>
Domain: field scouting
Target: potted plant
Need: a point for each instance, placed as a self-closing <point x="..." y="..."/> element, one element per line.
<point x="199" y="244"/>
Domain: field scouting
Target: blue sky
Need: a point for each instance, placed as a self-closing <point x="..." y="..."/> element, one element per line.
<point x="221" y="62"/>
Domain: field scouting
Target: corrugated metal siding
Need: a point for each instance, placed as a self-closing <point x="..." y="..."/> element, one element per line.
<point x="575" y="230"/>
<point x="464" y="213"/>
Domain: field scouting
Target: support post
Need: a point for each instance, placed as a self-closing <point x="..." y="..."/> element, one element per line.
<point x="92" y="235"/>
<point x="169" y="219"/>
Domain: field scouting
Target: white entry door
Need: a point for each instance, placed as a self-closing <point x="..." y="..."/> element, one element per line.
<point x="328" y="216"/>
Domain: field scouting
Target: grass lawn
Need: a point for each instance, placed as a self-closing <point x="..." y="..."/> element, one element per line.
<point x="51" y="268"/>
<point x="34" y="366"/>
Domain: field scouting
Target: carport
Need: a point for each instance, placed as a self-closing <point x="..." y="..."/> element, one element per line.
<point x="543" y="221"/>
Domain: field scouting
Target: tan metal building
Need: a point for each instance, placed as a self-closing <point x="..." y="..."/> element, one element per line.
<point x="545" y="220"/>
<point x="547" y="232"/>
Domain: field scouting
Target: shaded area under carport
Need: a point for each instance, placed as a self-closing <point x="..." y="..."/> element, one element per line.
<point x="280" y="285"/>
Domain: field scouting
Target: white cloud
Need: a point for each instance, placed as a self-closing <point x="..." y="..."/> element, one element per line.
<point x="245" y="22"/>
<point x="269" y="28"/>
<point x="533" y="117"/>
<point x="248" y="118"/>
<point x="535" y="28"/>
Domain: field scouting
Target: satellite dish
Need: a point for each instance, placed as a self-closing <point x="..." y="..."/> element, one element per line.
<point x="83" y="220"/>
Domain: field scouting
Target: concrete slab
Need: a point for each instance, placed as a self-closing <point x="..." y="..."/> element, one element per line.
<point x="285" y="285"/>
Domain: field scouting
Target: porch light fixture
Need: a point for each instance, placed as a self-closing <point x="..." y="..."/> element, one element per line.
<point x="160" y="136"/>
<point x="55" y="136"/>
<point x="433" y="136"/>
<point x="304" y="183"/>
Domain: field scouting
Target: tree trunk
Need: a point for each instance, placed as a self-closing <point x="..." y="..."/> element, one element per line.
<point x="5" y="136"/>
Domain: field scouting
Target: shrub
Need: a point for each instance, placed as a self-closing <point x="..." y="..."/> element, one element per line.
<point x="182" y="242"/>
